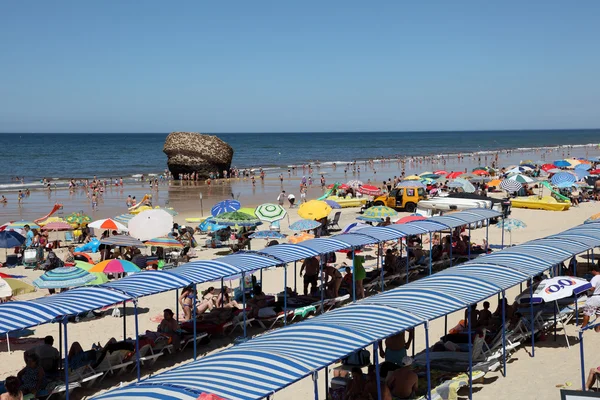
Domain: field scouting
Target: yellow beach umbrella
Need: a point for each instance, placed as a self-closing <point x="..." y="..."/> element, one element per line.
<point x="13" y="287"/>
<point x="314" y="209"/>
<point x="51" y="219"/>
<point x="412" y="178"/>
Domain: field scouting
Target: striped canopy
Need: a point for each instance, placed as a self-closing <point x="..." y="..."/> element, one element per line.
<point x="270" y="212"/>
<point x="124" y="218"/>
<point x="165" y="241"/>
<point x="149" y="282"/>
<point x="65" y="277"/>
<point x="19" y="225"/>
<point x="150" y="391"/>
<point x="563" y="178"/>
<point x="123" y="241"/>
<point x="511" y="186"/>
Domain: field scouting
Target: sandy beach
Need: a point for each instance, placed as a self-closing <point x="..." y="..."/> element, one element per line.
<point x="521" y="381"/>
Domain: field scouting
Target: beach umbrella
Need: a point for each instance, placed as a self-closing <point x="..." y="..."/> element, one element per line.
<point x="164" y="241"/>
<point x="378" y="213"/>
<point x="562" y="163"/>
<point x="521" y="178"/>
<point x="20" y="225"/>
<point x="314" y="209"/>
<point x="466" y="185"/>
<point x="563" y="177"/>
<point x="114" y="266"/>
<point x="593" y="218"/>
<point x="559" y="287"/>
<point x="354" y="183"/>
<point x="225" y="206"/>
<point x="581" y="173"/>
<point x="412" y="178"/>
<point x="585" y="167"/>
<point x="354" y="226"/>
<point x="50" y="219"/>
<point x="594" y="172"/>
<point x="236" y="218"/>
<point x="454" y="184"/>
<point x="57" y="226"/>
<point x="555" y="171"/>
<point x="100" y="278"/>
<point x="83" y="257"/>
<point x="453" y="175"/>
<point x="410" y="218"/>
<point x="267" y="235"/>
<point x="342" y="186"/>
<point x="269" y="212"/>
<point x="495" y="182"/>
<point x="150" y="224"/>
<point x="13" y="287"/>
<point x="440" y="172"/>
<point x="9" y="276"/>
<point x="333" y="204"/>
<point x="573" y="161"/>
<point x="78" y="218"/>
<point x="107" y="224"/>
<point x="509" y="225"/>
<point x="300" y="237"/>
<point x="548" y="167"/>
<point x="481" y="172"/>
<point x="168" y="210"/>
<point x="208" y="226"/>
<point x="305" y="225"/>
<point x="63" y="277"/>
<point x="124" y="218"/>
<point x="248" y="210"/>
<point x="417" y="184"/>
<point x="510" y="186"/>
<point x="122" y="241"/>
<point x="430" y="176"/>
<point x="515" y="170"/>
<point x="369" y="190"/>
<point x="10" y="239"/>
<point x="564" y="185"/>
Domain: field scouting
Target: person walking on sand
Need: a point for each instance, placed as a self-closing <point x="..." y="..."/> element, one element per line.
<point x="303" y="194"/>
<point x="281" y="198"/>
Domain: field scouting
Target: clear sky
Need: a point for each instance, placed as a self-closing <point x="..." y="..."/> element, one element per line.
<point x="262" y="66"/>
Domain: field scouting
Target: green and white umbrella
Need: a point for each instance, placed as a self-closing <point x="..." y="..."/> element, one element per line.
<point x="235" y="218"/>
<point x="270" y="212"/>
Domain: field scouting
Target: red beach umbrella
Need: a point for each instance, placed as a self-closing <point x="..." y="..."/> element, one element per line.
<point x="440" y="172"/>
<point x="370" y="190"/>
<point x="454" y="175"/>
<point x="548" y="167"/>
<point x="410" y="218"/>
<point x="481" y="172"/>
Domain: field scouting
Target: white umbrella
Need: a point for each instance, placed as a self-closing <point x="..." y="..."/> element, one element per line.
<point x="150" y="224"/>
<point x="559" y="287"/>
<point x="108" y="224"/>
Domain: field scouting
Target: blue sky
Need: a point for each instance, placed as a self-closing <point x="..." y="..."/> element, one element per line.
<point x="264" y="66"/>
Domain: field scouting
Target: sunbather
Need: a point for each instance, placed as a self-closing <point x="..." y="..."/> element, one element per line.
<point x="356" y="388"/>
<point x="592" y="304"/>
<point x="186" y="300"/>
<point x="333" y="281"/>
<point x="13" y="389"/>
<point x="170" y="327"/>
<point x="372" y="385"/>
<point x="396" y="346"/>
<point x="403" y="382"/>
<point x="592" y="376"/>
<point x="224" y="300"/>
<point x="258" y="301"/>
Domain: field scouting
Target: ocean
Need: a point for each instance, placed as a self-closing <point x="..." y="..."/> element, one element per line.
<point x="62" y="156"/>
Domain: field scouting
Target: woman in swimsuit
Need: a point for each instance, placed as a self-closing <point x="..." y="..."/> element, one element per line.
<point x="186" y="300"/>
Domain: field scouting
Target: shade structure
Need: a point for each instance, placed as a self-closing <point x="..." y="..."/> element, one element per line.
<point x="150" y="224"/>
<point x="267" y="235"/>
<point x="19" y="225"/>
<point x="441" y="172"/>
<point x="511" y="186"/>
<point x="64" y="277"/>
<point x="417" y="184"/>
<point x="78" y="218"/>
<point x="108" y="224"/>
<point x="593" y="218"/>
<point x="370" y="190"/>
<point x="235" y="218"/>
<point x="563" y="177"/>
<point x="410" y="218"/>
<point x="149" y="282"/>
<point x="57" y="226"/>
<point x="10" y="239"/>
<point x="164" y="241"/>
<point x="114" y="266"/>
<point x="13" y="287"/>
<point x="302" y="237"/>
<point x="152" y="391"/>
<point x="225" y="206"/>
<point x="124" y="218"/>
<point x="584" y="167"/>
<point x="100" y="277"/>
<point x="122" y="240"/>
<point x="333" y="204"/>
<point x="269" y="212"/>
<point x="314" y="209"/>
<point x="454" y="175"/>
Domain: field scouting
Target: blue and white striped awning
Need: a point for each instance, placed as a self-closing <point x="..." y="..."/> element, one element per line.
<point x="248" y="261"/>
<point x="587" y="229"/>
<point x="423" y="303"/>
<point x="482" y="213"/>
<point x="355" y="239"/>
<point x="123" y="241"/>
<point x="148" y="282"/>
<point x="150" y="391"/>
<point x="323" y="246"/>
<point x="588" y="240"/>
<point x="24" y="314"/>
<point x="525" y="263"/>
<point x="410" y="229"/>
<point x="463" y="288"/>
<point x="381" y="233"/>
<point x="205" y="271"/>
<point x="451" y="221"/>
<point x="497" y="275"/>
<point x="288" y="252"/>
<point x="428" y="225"/>
<point x="574" y="247"/>
<point x="552" y="251"/>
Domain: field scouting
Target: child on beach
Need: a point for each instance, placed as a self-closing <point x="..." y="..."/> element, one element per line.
<point x="94" y="202"/>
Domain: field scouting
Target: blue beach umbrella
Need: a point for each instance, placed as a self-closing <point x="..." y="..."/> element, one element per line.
<point x="563" y="177"/>
<point x="267" y="235"/>
<point x="64" y="277"/>
<point x="583" y="166"/>
<point x="304" y="225"/>
<point x="333" y="204"/>
<point x="562" y="163"/>
<point x="581" y="173"/>
<point x="10" y="239"/>
<point x="225" y="206"/>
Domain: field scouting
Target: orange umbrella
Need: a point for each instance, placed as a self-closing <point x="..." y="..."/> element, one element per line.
<point x="301" y="237"/>
<point x="495" y="182"/>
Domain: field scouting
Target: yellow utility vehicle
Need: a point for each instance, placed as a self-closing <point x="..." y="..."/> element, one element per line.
<point x="401" y="199"/>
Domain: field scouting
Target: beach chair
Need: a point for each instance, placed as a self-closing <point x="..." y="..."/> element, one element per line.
<point x="147" y="357"/>
<point x="190" y="340"/>
<point x="330" y="304"/>
<point x="59" y="390"/>
<point x="272" y="321"/>
<point x="335" y="222"/>
<point x="454" y="360"/>
<point x="69" y="237"/>
<point x="85" y="376"/>
<point x="237" y="323"/>
<point x="113" y="364"/>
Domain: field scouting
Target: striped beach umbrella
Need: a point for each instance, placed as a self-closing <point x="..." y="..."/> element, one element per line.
<point x="270" y="212"/>
<point x="64" y="277"/>
<point x="107" y="224"/>
<point x="235" y="218"/>
<point x="114" y="266"/>
<point x="208" y="226"/>
<point x="369" y="190"/>
<point x="267" y="235"/>
<point x="511" y="224"/>
<point x="78" y="218"/>
<point x="417" y="184"/>
<point x="510" y="186"/>
<point x="100" y="277"/>
<point x="304" y="225"/>
<point x="19" y="225"/>
<point x="563" y="177"/>
<point x="123" y="241"/>
<point x="57" y="226"/>
<point x="224" y="207"/>
<point x="124" y="218"/>
<point x="314" y="209"/>
<point x="164" y="241"/>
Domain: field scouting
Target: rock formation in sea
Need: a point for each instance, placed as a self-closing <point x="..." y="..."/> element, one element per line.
<point x="189" y="152"/>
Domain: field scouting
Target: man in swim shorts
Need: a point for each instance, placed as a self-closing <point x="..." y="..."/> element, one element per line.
<point x="396" y="346"/>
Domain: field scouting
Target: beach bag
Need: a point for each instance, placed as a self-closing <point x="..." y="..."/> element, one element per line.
<point x="358" y="358"/>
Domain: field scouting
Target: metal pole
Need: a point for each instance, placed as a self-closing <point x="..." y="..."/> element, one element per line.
<point x="326" y="381"/>
<point x="244" y="299"/>
<point x="261" y="282"/>
<point x="137" y="340"/>
<point x="532" y="319"/>
<point x="353" y="279"/>
<point x="407" y="261"/>
<point x="59" y="341"/>
<point x="177" y="305"/>
<point x="487" y="237"/>
<point x="65" y="321"/>
<point x="451" y="247"/>
<point x="504" y="332"/>
<point x="222" y="294"/>
<point x="285" y="294"/>
<point x="323" y="284"/>
<point x="376" y="360"/>
<point x="502" y="245"/>
<point x="315" y="378"/>
<point x="430" y="251"/>
<point x="576" y="311"/>
<point x="382" y="266"/>
<point x="124" y="322"/>
<point x="295" y="278"/>
<point x="470" y="352"/>
<point x="194" y="318"/>
<point x="469" y="243"/>
<point x="555" y="306"/>
<point x="445" y="324"/>
<point x="581" y="356"/>
<point x="427" y="359"/>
